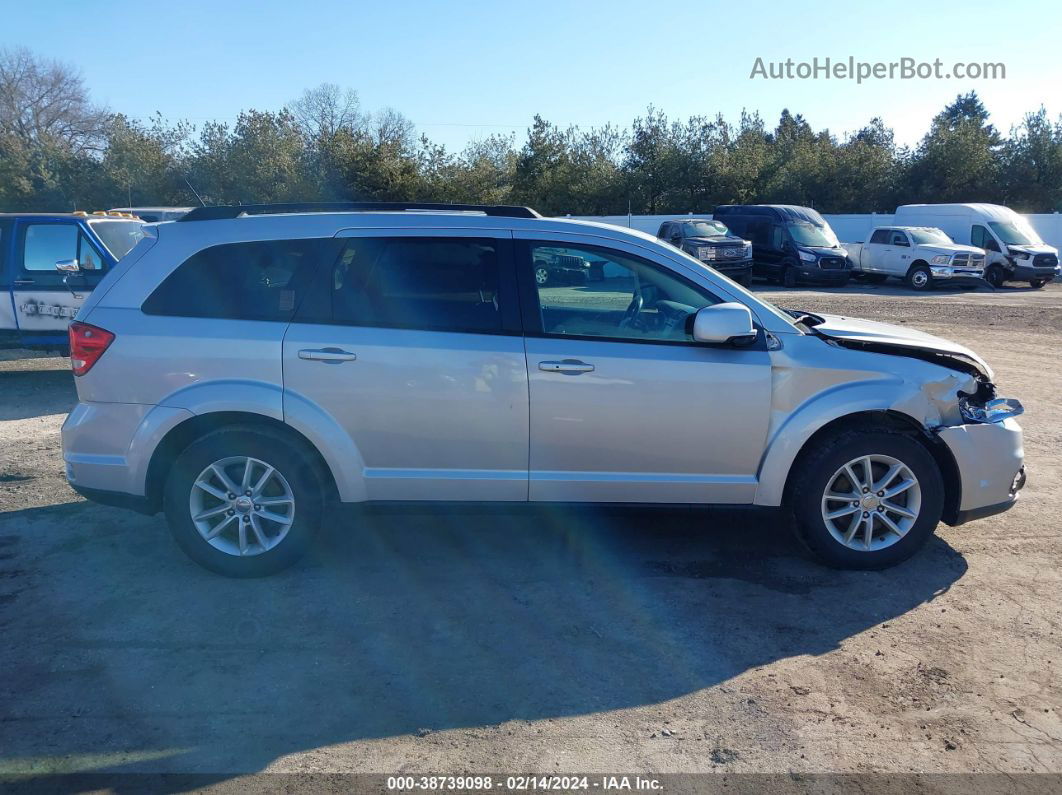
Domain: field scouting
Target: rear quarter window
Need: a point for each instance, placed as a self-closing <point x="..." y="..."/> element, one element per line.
<point x="262" y="280"/>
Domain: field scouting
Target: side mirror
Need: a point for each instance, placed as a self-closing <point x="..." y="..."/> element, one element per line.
<point x="721" y="323"/>
<point x="68" y="266"/>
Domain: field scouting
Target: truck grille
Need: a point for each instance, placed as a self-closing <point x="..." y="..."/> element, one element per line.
<point x="832" y="263"/>
<point x="735" y="252"/>
<point x="1045" y="261"/>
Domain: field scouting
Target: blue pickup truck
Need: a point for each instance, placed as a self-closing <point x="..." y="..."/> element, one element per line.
<point x="49" y="262"/>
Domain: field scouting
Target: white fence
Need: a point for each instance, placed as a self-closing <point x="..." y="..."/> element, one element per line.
<point x="849" y="228"/>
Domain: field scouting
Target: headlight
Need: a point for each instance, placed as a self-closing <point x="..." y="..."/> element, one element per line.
<point x="995" y="410"/>
<point x="1017" y="254"/>
<point x="807" y="256"/>
<point x="941" y="259"/>
<point x="748" y="249"/>
<point x="705" y="253"/>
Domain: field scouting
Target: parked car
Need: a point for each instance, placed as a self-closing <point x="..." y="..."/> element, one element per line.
<point x="155" y="214"/>
<point x="711" y="242"/>
<point x="1013" y="249"/>
<point x="789" y="244"/>
<point x="49" y="263"/>
<point x="557" y="267"/>
<point x="246" y="366"/>
<point x="920" y="255"/>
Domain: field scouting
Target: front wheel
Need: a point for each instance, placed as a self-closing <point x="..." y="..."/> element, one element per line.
<point x="789" y="276"/>
<point x="867" y="499"/>
<point x="995" y="276"/>
<point x="919" y="278"/>
<point x="243" y="502"/>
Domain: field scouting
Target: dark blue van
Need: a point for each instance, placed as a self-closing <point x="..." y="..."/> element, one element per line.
<point x="790" y="244"/>
<point x="49" y="263"/>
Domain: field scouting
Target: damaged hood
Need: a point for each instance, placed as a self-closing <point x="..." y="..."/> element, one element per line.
<point x="888" y="338"/>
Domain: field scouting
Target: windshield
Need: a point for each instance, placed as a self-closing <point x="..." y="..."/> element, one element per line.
<point x="118" y="236"/>
<point x="930" y="236"/>
<point x="805" y="234"/>
<point x="704" y="229"/>
<point x="1015" y="234"/>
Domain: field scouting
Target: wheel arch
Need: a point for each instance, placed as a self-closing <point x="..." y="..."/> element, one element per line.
<point x="896" y="422"/>
<point x="198" y="425"/>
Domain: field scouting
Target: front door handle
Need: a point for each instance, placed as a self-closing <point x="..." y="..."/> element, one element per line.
<point x="571" y="366"/>
<point x="20" y="282"/>
<point x="335" y="355"/>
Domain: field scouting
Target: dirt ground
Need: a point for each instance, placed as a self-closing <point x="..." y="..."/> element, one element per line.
<point x="539" y="640"/>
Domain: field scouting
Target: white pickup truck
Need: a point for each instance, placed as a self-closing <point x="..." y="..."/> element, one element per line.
<point x="920" y="255"/>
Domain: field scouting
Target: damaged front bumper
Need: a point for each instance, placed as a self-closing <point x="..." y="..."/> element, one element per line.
<point x="990" y="464"/>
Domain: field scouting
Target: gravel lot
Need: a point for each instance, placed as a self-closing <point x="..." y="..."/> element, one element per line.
<point x="537" y="640"/>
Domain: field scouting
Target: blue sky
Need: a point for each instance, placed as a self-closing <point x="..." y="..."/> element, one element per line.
<point x="464" y="70"/>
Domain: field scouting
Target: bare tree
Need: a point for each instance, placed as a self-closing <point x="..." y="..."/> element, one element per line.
<point x="45" y="102"/>
<point x="323" y="111"/>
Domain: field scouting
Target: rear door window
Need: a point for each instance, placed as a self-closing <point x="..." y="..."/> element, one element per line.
<point x="437" y="284"/>
<point x="261" y="280"/>
<point x="880" y="236"/>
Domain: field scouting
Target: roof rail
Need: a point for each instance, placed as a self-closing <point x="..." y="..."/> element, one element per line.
<point x="222" y="211"/>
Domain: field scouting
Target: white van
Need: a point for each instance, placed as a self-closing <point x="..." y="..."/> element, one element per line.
<point x="1013" y="249"/>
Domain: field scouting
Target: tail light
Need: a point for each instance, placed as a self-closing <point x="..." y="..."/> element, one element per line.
<point x="87" y="344"/>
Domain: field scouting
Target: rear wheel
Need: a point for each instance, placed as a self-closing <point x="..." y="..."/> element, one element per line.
<point x="1036" y="284"/>
<point x="243" y="502"/>
<point x="867" y="499"/>
<point x="919" y="278"/>
<point x="541" y="275"/>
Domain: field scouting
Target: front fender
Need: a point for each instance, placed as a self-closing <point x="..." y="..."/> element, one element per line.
<point x="926" y="404"/>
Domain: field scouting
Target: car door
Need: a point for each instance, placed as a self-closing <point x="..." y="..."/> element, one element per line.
<point x="410" y="343"/>
<point x="896" y="257"/>
<point x="624" y="406"/>
<point x="876" y="251"/>
<point x="45" y="300"/>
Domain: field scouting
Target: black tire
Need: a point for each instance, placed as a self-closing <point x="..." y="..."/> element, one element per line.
<point x="995" y="276"/>
<point x="789" y="276"/>
<point x="266" y="445"/>
<point x="876" y="278"/>
<point x="813" y="472"/>
<point x="919" y="278"/>
<point x="1036" y="284"/>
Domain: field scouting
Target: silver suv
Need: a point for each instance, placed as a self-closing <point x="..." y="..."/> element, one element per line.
<point x="244" y="367"/>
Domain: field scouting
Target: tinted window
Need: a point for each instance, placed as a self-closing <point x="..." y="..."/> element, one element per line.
<point x="880" y="236"/>
<point x="623" y="298"/>
<point x="428" y="283"/>
<point x="262" y="280"/>
<point x="46" y="244"/>
<point x="758" y="231"/>
<point x="978" y="235"/>
<point x="899" y="239"/>
<point x="737" y="226"/>
<point x="663" y="230"/>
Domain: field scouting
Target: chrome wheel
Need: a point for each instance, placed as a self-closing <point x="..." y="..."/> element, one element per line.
<point x="919" y="279"/>
<point x="871" y="502"/>
<point x="541" y="276"/>
<point x="242" y="506"/>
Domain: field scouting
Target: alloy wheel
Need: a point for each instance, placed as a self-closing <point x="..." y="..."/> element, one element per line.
<point x="242" y="506"/>
<point x="871" y="502"/>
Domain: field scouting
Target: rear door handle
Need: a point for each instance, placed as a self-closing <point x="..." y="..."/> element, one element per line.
<point x="335" y="355"/>
<point x="20" y="282"/>
<point x="572" y="366"/>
